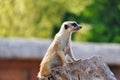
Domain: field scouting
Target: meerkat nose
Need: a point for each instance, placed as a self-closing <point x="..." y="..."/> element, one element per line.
<point x="80" y="26"/>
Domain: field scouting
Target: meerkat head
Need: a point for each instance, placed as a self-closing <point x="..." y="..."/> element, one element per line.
<point x="71" y="26"/>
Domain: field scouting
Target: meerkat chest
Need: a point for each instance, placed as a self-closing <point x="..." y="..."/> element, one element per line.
<point x="64" y="45"/>
<point x="64" y="40"/>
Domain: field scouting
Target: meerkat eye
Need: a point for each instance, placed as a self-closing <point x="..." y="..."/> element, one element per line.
<point x="74" y="24"/>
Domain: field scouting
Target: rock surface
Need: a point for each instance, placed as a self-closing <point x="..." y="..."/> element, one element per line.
<point x="88" y="69"/>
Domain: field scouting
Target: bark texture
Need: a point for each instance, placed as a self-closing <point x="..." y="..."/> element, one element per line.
<point x="88" y="69"/>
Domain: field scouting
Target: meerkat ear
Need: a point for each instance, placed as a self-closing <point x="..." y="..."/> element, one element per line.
<point x="66" y="26"/>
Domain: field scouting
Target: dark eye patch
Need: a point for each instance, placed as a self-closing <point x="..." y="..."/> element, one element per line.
<point x="66" y="26"/>
<point x="74" y="24"/>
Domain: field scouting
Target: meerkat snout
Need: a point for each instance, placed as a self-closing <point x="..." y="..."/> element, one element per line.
<point x="77" y="28"/>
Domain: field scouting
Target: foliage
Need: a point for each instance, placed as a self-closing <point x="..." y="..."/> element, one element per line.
<point x="42" y="18"/>
<point x="29" y="18"/>
<point x="104" y="17"/>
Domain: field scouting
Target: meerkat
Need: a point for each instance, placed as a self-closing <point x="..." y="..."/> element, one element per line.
<point x="59" y="49"/>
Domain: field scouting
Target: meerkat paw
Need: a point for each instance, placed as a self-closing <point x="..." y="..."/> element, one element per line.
<point x="39" y="76"/>
<point x="42" y="78"/>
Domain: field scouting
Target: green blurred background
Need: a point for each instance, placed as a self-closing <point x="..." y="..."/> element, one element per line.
<point x="42" y="18"/>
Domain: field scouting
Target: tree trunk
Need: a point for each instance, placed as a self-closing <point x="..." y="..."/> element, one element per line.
<point x="89" y="69"/>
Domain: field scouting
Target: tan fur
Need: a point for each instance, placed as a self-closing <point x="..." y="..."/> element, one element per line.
<point x="59" y="48"/>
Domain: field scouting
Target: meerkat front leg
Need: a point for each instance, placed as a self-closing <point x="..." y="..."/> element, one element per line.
<point x="69" y="54"/>
<point x="62" y="57"/>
